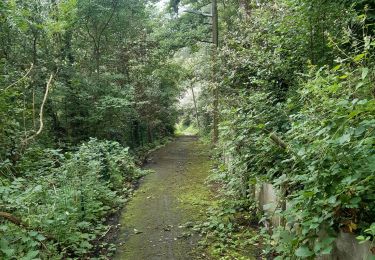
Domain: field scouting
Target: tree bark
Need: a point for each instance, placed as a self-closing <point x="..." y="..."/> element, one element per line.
<point x="215" y="40"/>
<point x="41" y="110"/>
<point x="195" y="105"/>
<point x="12" y="219"/>
<point x="277" y="140"/>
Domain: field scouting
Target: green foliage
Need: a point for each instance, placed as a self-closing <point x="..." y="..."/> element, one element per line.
<point x="228" y="232"/>
<point x="64" y="199"/>
<point x="331" y="140"/>
<point x="328" y="165"/>
<point x="186" y="129"/>
<point x="112" y="80"/>
<point x="300" y="71"/>
<point x="369" y="234"/>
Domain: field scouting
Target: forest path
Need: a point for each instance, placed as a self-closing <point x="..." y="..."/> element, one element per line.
<point x="153" y="225"/>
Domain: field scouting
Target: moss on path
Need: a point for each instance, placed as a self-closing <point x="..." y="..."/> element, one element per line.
<point x="176" y="194"/>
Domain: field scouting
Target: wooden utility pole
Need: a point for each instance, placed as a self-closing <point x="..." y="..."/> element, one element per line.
<point x="215" y="41"/>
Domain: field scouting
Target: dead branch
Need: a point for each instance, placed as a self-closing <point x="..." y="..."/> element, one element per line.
<point x="18" y="222"/>
<point x="278" y="141"/>
<point x="105" y="233"/>
<point x="24" y="76"/>
<point x="198" y="13"/>
<point x="210" y="42"/>
<point x="41" y="124"/>
<point x="12" y="219"/>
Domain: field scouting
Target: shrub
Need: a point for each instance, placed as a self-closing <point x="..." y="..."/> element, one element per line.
<point x="63" y="199"/>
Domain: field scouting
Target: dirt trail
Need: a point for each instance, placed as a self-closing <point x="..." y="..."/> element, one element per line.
<point x="172" y="197"/>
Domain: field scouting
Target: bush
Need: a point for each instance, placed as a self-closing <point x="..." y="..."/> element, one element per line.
<point x="327" y="169"/>
<point x="63" y="199"/>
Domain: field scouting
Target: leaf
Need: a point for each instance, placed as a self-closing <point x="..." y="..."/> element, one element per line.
<point x="359" y="57"/>
<point x="38" y="188"/>
<point x="344" y="138"/>
<point x="326" y="250"/>
<point x="365" y="240"/>
<point x="364" y="73"/>
<point x="343" y="76"/>
<point x="286" y="236"/>
<point x="33" y="233"/>
<point x="4" y="247"/>
<point x="360" y="238"/>
<point x="352" y="226"/>
<point x="301" y="151"/>
<point x="355" y="201"/>
<point x="371" y="229"/>
<point x="3" y="228"/>
<point x="8" y="251"/>
<point x="30" y="255"/>
<point x="40" y="237"/>
<point x="303" y="252"/>
<point x="328" y="240"/>
<point x="359" y="85"/>
<point x="334" y="87"/>
<point x="332" y="200"/>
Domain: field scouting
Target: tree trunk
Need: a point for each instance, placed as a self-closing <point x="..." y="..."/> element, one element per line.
<point x="149" y="133"/>
<point x="215" y="40"/>
<point x="195" y="105"/>
<point x="97" y="60"/>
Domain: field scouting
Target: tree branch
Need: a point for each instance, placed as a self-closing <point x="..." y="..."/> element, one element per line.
<point x="12" y="219"/>
<point x="24" y="76"/>
<point x="20" y="223"/>
<point x="109" y="19"/>
<point x="91" y="35"/>
<point x="198" y="13"/>
<point x="278" y="141"/>
<point x="41" y="124"/>
<point x="210" y="42"/>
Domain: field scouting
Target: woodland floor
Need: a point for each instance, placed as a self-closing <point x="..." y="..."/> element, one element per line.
<point x="156" y="224"/>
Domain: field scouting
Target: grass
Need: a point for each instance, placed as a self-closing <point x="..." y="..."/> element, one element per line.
<point x="182" y="129"/>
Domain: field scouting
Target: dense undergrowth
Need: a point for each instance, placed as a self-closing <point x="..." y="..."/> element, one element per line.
<point x="74" y="74"/>
<point x="326" y="169"/>
<point x="297" y="111"/>
<point x="186" y="129"/>
<point x="63" y="199"/>
<point x="294" y="84"/>
<point x="322" y="164"/>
